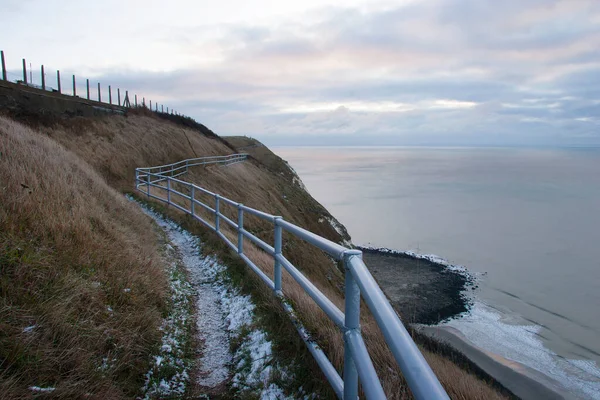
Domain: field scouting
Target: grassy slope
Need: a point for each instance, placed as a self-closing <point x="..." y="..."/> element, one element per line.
<point x="69" y="246"/>
<point x="114" y="145"/>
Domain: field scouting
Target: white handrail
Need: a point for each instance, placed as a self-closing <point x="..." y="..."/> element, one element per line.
<point x="359" y="281"/>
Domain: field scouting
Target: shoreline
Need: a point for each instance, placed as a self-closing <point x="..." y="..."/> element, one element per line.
<point x="524" y="382"/>
<point x="434" y="291"/>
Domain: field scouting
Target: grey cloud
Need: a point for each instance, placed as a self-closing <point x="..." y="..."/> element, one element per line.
<point x="487" y="52"/>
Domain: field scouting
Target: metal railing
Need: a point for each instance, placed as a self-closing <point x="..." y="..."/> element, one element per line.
<point x="358" y="282"/>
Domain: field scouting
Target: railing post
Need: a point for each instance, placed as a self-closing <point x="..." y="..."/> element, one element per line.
<point x="74" y="87"/>
<point x="137" y="176"/>
<point x="109" y="95"/>
<point x="87" y="84"/>
<point x="43" y="79"/>
<point x="119" y="96"/>
<point x="192" y="194"/>
<point x="217" y="211"/>
<point x="277" y="265"/>
<point x="168" y="191"/>
<point x="3" y="62"/>
<point x="24" y="72"/>
<point x="58" y="81"/>
<point x="99" y="94"/>
<point x="352" y="322"/>
<point x="148" y="183"/>
<point x="240" y="228"/>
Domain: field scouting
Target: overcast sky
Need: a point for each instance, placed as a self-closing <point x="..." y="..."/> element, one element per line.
<point x="439" y="72"/>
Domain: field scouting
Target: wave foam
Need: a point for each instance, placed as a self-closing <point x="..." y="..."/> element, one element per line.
<point x="490" y="330"/>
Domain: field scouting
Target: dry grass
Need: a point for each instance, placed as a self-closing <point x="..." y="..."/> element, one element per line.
<point x="116" y="145"/>
<point x="69" y="246"/>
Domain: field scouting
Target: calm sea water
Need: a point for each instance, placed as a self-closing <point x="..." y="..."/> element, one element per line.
<point x="526" y="222"/>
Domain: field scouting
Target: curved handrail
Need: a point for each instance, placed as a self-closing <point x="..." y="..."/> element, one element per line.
<point x="359" y="282"/>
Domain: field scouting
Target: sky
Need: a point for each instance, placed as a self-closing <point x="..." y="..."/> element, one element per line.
<point x="353" y="72"/>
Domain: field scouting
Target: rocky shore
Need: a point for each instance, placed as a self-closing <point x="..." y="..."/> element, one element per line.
<point x="423" y="289"/>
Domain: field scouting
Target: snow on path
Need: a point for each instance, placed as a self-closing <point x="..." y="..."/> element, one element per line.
<point x="223" y="313"/>
<point x="211" y="322"/>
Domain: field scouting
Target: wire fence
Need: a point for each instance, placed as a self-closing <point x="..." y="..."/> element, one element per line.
<point x="50" y="80"/>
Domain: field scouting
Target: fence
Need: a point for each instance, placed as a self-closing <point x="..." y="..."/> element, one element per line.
<point x="27" y="78"/>
<point x="359" y="282"/>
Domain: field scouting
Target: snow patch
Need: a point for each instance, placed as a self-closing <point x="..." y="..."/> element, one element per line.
<point x="223" y="314"/>
<point x="41" y="389"/>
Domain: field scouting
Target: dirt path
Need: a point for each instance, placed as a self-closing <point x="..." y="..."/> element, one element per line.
<point x="223" y="316"/>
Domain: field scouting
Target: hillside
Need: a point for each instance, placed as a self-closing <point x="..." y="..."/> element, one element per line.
<point x="70" y="244"/>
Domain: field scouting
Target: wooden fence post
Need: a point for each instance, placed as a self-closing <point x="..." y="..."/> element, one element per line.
<point x="109" y="95"/>
<point x="150" y="105"/>
<point x="162" y="108"/>
<point x="74" y="87"/>
<point x="24" y="72"/>
<point x="119" y="96"/>
<point x="87" y="84"/>
<point x="136" y="100"/>
<point x="43" y="79"/>
<point x="3" y="65"/>
<point x="58" y="81"/>
<point x="144" y="102"/>
<point x="99" y="94"/>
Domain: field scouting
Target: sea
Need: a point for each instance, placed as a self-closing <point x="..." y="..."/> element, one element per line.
<point x="525" y="222"/>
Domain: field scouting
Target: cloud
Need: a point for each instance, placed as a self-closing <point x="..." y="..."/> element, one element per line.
<point x="522" y="71"/>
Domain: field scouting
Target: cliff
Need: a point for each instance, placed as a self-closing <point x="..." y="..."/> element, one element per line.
<point x="83" y="277"/>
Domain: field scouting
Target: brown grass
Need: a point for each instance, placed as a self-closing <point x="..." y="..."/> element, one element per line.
<point x="69" y="246"/>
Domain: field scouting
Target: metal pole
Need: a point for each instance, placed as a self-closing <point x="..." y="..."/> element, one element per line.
<point x="217" y="213"/>
<point x="144" y="102"/>
<point x="3" y="65"/>
<point x="192" y="199"/>
<point x="148" y="183"/>
<point x="58" y="81"/>
<point x="119" y="96"/>
<point x="109" y="95"/>
<point x="43" y="79"/>
<point x="99" y="94"/>
<point x="277" y="269"/>
<point x="87" y="83"/>
<point x="24" y="72"/>
<point x="168" y="191"/>
<point x="167" y="110"/>
<point x="150" y="105"/>
<point x="352" y="311"/>
<point x="136" y="100"/>
<point x="240" y="228"/>
<point x="162" y="108"/>
<point x="74" y="88"/>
